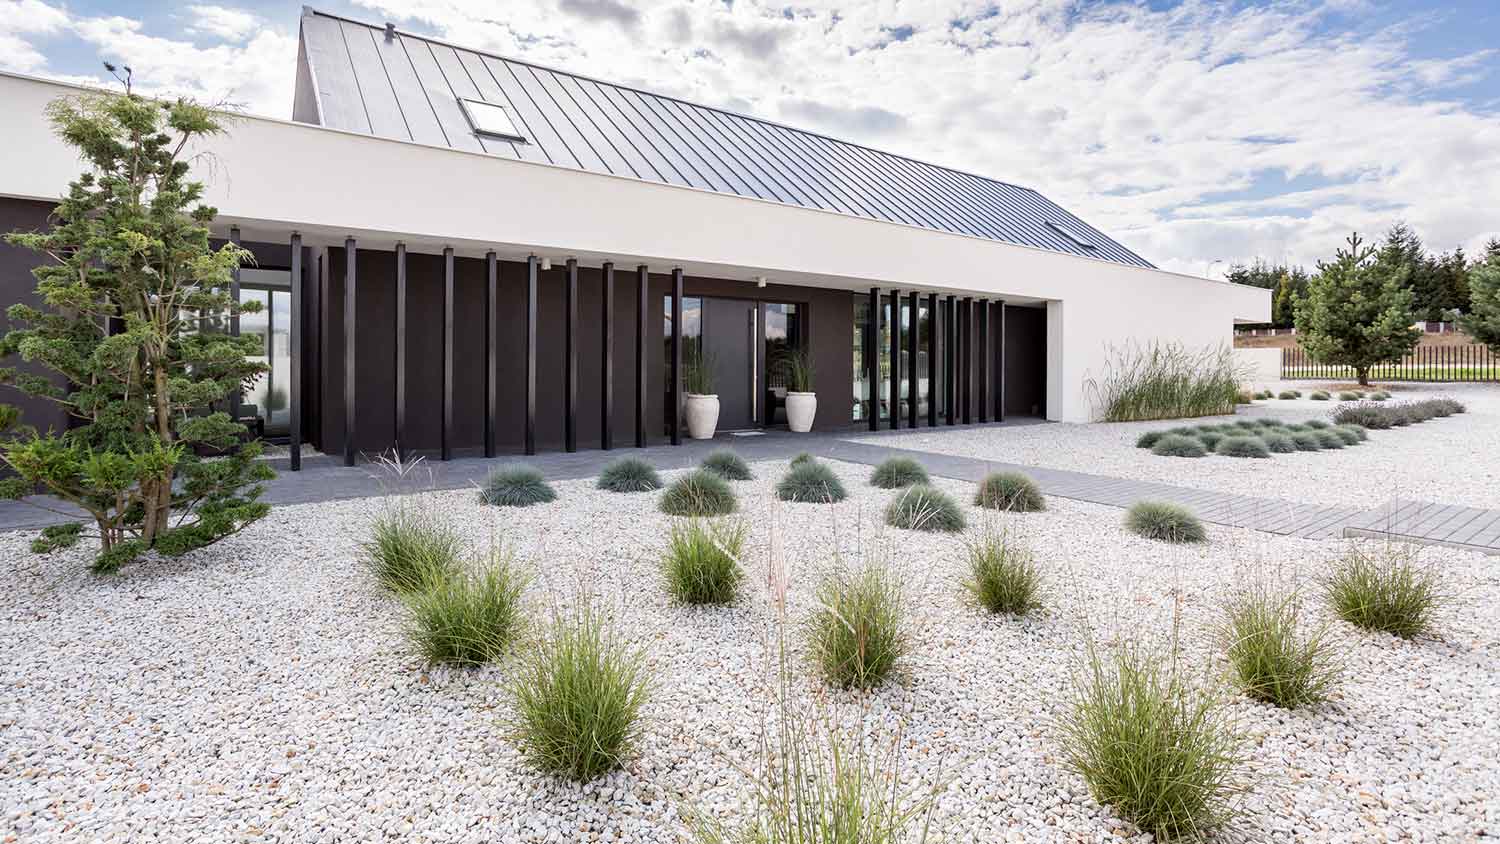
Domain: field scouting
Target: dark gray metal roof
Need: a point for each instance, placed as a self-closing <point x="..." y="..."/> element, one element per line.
<point x="398" y="85"/>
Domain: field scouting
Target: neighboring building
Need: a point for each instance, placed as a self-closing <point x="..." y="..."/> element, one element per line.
<point x="522" y="237"/>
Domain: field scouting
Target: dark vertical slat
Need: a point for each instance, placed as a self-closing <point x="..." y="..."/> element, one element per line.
<point x="294" y="393"/>
<point x="1000" y="367"/>
<point x="676" y="388"/>
<point x="932" y="360"/>
<point x="967" y="369"/>
<point x="350" y="251"/>
<point x="872" y="359"/>
<point x="570" y="362"/>
<point x="531" y="284"/>
<point x="607" y="417"/>
<point x="448" y="282"/>
<point x="235" y="397"/>
<point x="950" y="360"/>
<point x="895" y="359"/>
<point x="762" y="410"/>
<point x="400" y="349"/>
<point x="642" y="310"/>
<point x="491" y="351"/>
<point x="983" y="393"/>
<point x="913" y="337"/>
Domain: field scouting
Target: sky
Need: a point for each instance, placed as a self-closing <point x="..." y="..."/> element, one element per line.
<point x="1201" y="133"/>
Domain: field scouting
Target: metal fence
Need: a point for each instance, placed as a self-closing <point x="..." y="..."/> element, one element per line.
<point x="1472" y="362"/>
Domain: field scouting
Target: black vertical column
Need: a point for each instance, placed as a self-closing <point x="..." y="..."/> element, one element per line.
<point x="913" y="337"/>
<point x="950" y="360"/>
<point x="1000" y="365"/>
<point x="448" y="281"/>
<point x="932" y="360"/>
<point x="235" y="396"/>
<point x="676" y="414"/>
<point x="872" y="358"/>
<point x="966" y="368"/>
<point x="491" y="351"/>
<point x="294" y="393"/>
<point x="531" y="273"/>
<point x="570" y="361"/>
<point x="642" y="309"/>
<point x="607" y="420"/>
<point x="895" y="359"/>
<point x="400" y="349"/>
<point x="350" y="251"/>
<point x="984" y="360"/>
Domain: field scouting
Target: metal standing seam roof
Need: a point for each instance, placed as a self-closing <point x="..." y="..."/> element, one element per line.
<point x="403" y="86"/>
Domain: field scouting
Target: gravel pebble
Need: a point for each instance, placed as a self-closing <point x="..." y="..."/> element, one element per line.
<point x="259" y="689"/>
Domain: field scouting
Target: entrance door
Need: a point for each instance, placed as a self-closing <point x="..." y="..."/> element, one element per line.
<point x="729" y="336"/>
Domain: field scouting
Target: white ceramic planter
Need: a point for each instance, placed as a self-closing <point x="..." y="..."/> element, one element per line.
<point x="702" y="415"/>
<point x="800" y="410"/>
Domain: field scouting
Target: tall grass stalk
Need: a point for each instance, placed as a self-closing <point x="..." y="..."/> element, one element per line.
<point x="1387" y="588"/>
<point x="857" y="634"/>
<point x="411" y="546"/>
<point x="1274" y="658"/>
<point x="1164" y="381"/>
<point x="469" y="618"/>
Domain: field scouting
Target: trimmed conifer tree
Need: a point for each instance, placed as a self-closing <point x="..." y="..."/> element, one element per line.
<point x="1357" y="311"/>
<point x="1483" y="320"/>
<point x="131" y="292"/>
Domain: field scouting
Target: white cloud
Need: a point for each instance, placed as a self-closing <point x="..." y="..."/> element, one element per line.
<point x="21" y="23"/>
<point x="1146" y="122"/>
<point x="222" y="22"/>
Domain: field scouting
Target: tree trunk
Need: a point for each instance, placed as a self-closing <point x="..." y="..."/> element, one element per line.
<point x="1364" y="376"/>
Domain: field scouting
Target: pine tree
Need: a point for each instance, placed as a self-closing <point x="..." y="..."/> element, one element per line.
<point x="131" y="272"/>
<point x="1357" y="311"/>
<point x="1482" y="322"/>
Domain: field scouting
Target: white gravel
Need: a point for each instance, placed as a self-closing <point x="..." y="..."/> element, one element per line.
<point x="258" y="690"/>
<point x="1454" y="460"/>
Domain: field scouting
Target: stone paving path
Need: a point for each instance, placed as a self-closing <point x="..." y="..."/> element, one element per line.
<point x="326" y="479"/>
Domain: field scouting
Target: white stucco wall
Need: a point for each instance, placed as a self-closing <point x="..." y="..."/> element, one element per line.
<point x="272" y="177"/>
<point x="1261" y="366"/>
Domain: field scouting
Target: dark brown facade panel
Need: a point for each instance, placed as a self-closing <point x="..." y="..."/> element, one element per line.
<point x="18" y="285"/>
<point x="1025" y="361"/>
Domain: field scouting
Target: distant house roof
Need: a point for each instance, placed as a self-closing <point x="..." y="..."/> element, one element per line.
<point x="394" y="84"/>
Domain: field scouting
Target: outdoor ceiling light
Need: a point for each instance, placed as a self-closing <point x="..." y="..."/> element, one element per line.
<point x="760" y="281"/>
<point x="546" y="263"/>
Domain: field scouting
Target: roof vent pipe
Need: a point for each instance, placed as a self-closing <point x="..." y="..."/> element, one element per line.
<point x="390" y="32"/>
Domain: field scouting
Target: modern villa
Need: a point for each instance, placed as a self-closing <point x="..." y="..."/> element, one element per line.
<point x="462" y="254"/>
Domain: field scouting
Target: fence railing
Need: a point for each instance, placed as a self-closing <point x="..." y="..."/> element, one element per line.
<point x="1473" y="362"/>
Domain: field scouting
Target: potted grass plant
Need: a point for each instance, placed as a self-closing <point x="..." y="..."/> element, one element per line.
<point x="801" y="401"/>
<point x="702" y="403"/>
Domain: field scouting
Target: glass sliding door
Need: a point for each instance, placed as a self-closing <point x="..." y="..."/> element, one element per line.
<point x="783" y="338"/>
<point x="268" y="399"/>
<point x="886" y="403"/>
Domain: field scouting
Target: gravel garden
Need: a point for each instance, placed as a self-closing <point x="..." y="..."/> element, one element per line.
<point x="1449" y="460"/>
<point x="285" y="684"/>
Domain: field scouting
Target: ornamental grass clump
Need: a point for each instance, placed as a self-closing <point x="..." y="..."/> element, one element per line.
<point x="1379" y="395"/>
<point x="1273" y="658"/>
<point x="857" y="634"/>
<point x="629" y="474"/>
<point x="727" y="465"/>
<point x="926" y="508"/>
<point x="1307" y="441"/>
<point x="898" y="472"/>
<point x="1209" y="439"/>
<point x="1010" y="492"/>
<point x="1287" y="395"/>
<point x="1003" y="576"/>
<point x="1318" y="395"/>
<point x="1268" y="422"/>
<point x="1164" y="521"/>
<point x="698" y="493"/>
<point x="1387" y="588"/>
<point x="1278" y="443"/>
<point x="1329" y="438"/>
<point x="1348" y="396"/>
<point x="1149" y="439"/>
<point x="515" y="486"/>
<point x="1242" y="447"/>
<point x="1165" y="381"/>
<point x="1348" y="435"/>
<point x="468" y="618"/>
<point x="1360" y="434"/>
<point x="410" y="547"/>
<point x="701" y="565"/>
<point x="576" y="697"/>
<point x="1165" y="756"/>
<point x="1177" y="445"/>
<point x="810" y="483"/>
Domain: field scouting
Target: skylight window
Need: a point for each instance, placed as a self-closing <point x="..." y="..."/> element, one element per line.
<point x="490" y="120"/>
<point x="1072" y="235"/>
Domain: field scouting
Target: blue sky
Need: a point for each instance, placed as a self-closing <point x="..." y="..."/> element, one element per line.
<point x="1195" y="131"/>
